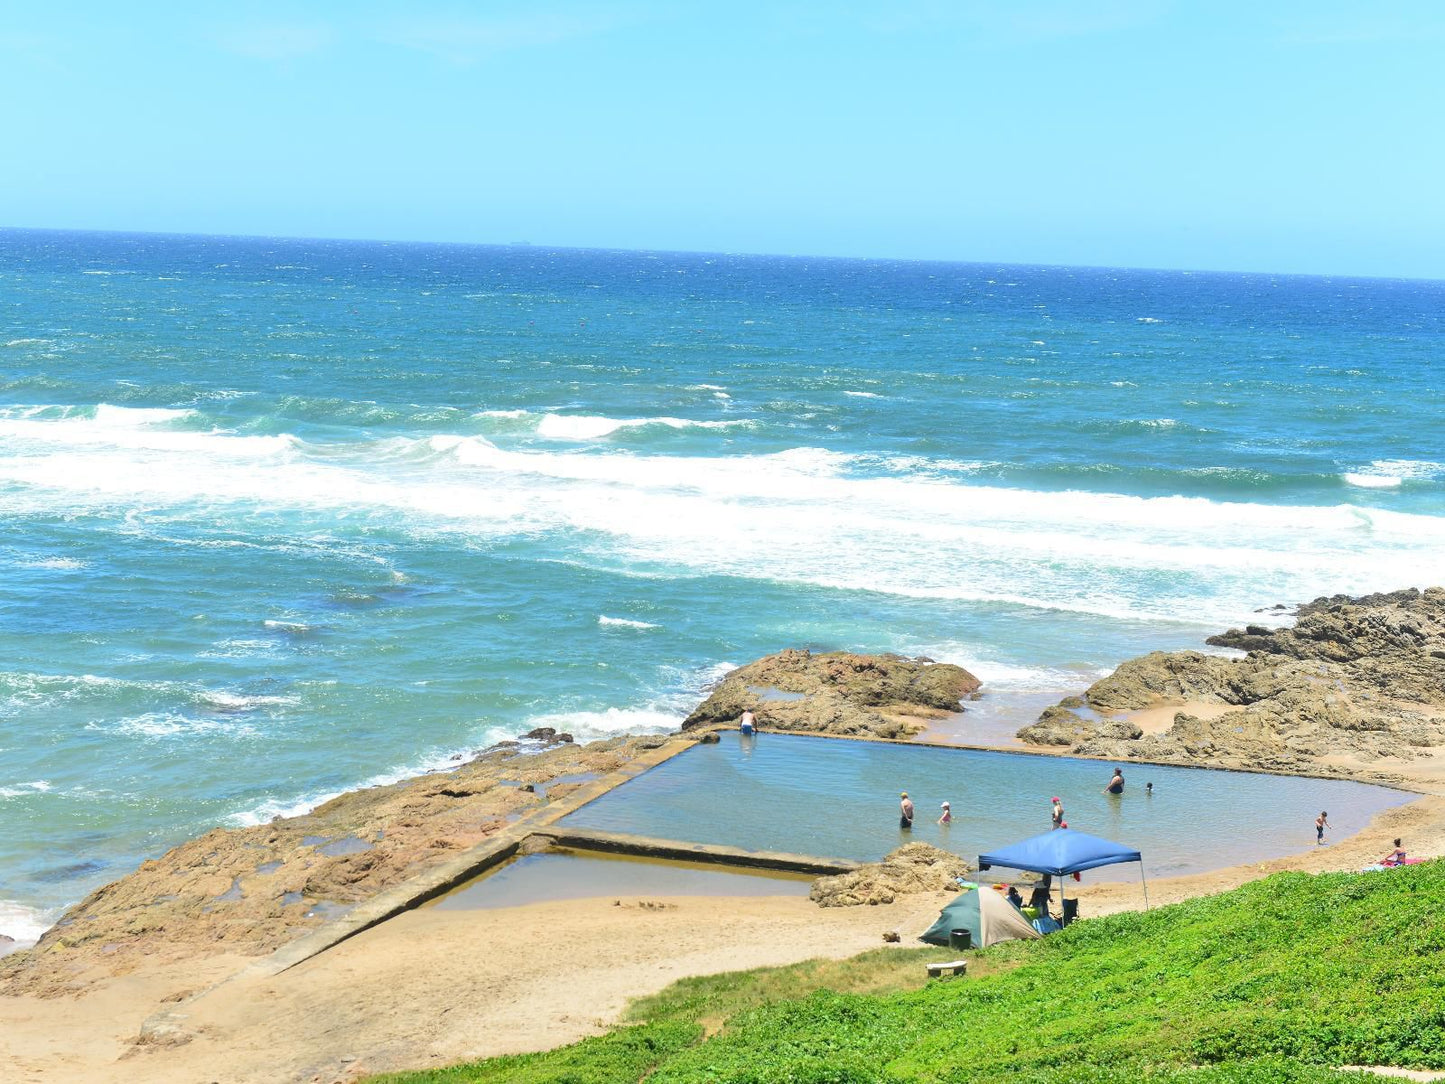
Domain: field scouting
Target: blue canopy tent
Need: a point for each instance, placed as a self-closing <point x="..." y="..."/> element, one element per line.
<point x="1063" y="851"/>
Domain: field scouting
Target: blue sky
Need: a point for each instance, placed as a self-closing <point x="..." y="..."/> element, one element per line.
<point x="1253" y="136"/>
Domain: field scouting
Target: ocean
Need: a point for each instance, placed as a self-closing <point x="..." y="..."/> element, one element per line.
<point x="282" y="518"/>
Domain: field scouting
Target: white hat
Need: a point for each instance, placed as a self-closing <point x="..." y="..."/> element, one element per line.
<point x="945" y="805"/>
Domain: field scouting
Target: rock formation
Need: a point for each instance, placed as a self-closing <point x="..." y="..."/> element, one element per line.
<point x="913" y="867"/>
<point x="1355" y="679"/>
<point x="250" y="890"/>
<point x="881" y="696"/>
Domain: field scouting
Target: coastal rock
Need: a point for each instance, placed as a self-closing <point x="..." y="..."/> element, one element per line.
<point x="249" y="890"/>
<point x="1362" y="678"/>
<point x="882" y="696"/>
<point x="1057" y="726"/>
<point x="912" y="868"/>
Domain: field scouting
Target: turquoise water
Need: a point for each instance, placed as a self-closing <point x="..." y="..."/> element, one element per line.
<point x="839" y="799"/>
<point x="281" y="518"/>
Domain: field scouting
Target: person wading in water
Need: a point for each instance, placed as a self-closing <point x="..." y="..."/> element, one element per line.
<point x="905" y="812"/>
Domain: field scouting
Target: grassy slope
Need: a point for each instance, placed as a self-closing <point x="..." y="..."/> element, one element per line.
<point x="1271" y="982"/>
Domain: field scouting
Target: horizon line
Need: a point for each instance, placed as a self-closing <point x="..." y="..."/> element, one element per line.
<point x="1036" y="264"/>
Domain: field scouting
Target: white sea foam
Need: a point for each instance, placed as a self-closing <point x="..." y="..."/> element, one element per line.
<point x="863" y="394"/>
<point x="609" y="722"/>
<point x="17" y="790"/>
<point x="42" y="430"/>
<point x="222" y="700"/>
<point x="1391" y="473"/>
<point x="24" y="924"/>
<point x="117" y="417"/>
<point x="56" y="564"/>
<point x="169" y="724"/>
<point x="1373" y="481"/>
<point x="998" y="676"/>
<point x="803" y="516"/>
<point x="594" y="427"/>
<point x="624" y="622"/>
<point x="297" y="627"/>
<point x="241" y="649"/>
<point x="504" y="414"/>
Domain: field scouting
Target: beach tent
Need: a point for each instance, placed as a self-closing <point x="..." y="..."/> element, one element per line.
<point x="1061" y="852"/>
<point x="983" y="912"/>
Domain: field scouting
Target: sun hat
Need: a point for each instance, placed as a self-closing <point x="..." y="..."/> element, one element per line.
<point x="945" y="805"/>
<point x="1053" y="799"/>
<point x="904" y="794"/>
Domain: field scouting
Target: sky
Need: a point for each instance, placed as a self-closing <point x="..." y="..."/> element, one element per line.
<point x="1282" y="136"/>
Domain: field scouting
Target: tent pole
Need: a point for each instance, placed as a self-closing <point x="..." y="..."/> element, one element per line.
<point x="1143" y="881"/>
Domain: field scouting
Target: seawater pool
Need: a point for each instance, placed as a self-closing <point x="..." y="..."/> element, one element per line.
<point x="837" y="798"/>
<point x="568" y="875"/>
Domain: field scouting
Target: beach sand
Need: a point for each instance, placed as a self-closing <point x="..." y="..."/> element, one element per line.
<point x="429" y="988"/>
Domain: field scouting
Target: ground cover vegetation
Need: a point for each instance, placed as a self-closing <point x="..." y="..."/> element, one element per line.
<point x="1272" y="983"/>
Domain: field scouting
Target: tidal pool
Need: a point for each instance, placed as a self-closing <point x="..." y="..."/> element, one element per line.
<point x="570" y="875"/>
<point x="836" y="798"/>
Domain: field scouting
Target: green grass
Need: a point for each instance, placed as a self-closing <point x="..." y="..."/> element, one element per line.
<point x="1269" y="984"/>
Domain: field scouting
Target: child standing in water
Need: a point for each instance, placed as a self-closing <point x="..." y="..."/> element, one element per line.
<point x="947" y="816"/>
<point x="1321" y="823"/>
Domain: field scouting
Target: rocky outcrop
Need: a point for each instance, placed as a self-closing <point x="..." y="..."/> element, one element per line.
<point x="883" y="696"/>
<point x="1356" y="679"/>
<point x="250" y="890"/>
<point x="912" y="868"/>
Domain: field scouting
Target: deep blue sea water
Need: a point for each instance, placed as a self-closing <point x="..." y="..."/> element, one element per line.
<point x="279" y="518"/>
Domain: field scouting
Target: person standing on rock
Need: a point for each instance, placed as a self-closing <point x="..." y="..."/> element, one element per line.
<point x="1058" y="812"/>
<point x="1322" y="824"/>
<point x="1116" y="784"/>
<point x="905" y="813"/>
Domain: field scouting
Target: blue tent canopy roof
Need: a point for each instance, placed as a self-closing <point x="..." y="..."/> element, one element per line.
<point x="1058" y="852"/>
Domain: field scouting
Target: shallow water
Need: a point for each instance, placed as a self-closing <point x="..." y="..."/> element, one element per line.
<point x="568" y="875"/>
<point x="838" y="798"/>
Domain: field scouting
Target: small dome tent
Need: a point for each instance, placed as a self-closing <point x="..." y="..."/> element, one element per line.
<point x="985" y="914"/>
